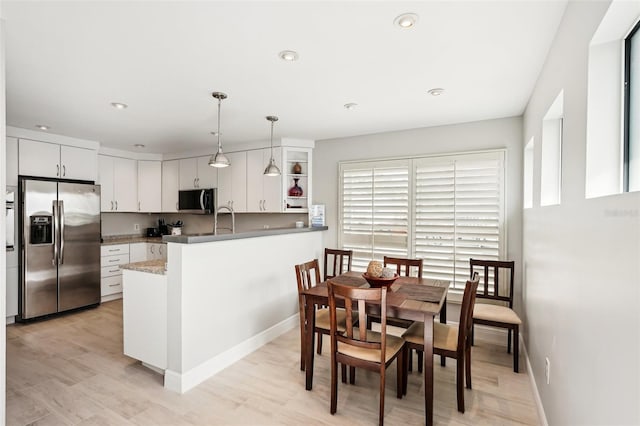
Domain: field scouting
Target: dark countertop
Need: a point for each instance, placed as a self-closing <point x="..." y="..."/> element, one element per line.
<point x="206" y="238"/>
<point x="128" y="239"/>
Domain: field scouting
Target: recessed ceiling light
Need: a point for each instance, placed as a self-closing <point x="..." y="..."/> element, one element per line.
<point x="42" y="127"/>
<point x="288" y="55"/>
<point x="406" y="20"/>
<point x="139" y="145"/>
<point x="118" y="105"/>
<point x="437" y="91"/>
<point x="351" y="105"/>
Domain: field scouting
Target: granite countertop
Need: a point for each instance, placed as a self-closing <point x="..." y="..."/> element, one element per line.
<point x="206" y="238"/>
<point x="128" y="239"/>
<point x="156" y="266"/>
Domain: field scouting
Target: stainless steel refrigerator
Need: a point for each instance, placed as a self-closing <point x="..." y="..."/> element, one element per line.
<point x="59" y="246"/>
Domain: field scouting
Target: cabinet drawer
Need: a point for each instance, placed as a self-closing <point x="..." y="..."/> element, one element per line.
<point x="111" y="285"/>
<point x="120" y="259"/>
<point x="110" y="271"/>
<point x="114" y="249"/>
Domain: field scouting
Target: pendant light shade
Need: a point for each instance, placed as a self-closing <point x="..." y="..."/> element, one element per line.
<point x="219" y="159"/>
<point x="272" y="169"/>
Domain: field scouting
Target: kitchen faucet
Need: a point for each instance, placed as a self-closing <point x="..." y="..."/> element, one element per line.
<point x="233" y="220"/>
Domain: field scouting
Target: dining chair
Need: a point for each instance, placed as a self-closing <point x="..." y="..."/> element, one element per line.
<point x="336" y="262"/>
<point x="450" y="341"/>
<point x="308" y="275"/>
<point x="500" y="313"/>
<point x="360" y="347"/>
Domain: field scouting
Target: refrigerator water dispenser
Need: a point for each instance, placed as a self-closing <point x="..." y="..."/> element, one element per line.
<point x="41" y="230"/>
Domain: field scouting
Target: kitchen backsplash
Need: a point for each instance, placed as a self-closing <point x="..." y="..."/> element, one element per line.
<point x="123" y="223"/>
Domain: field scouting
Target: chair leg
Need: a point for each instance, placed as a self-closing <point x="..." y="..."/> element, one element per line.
<point x="509" y="341"/>
<point x="343" y="367"/>
<point x="420" y="361"/>
<point x="400" y="373"/>
<point x="459" y="385"/>
<point x="409" y="359"/>
<point x="467" y="364"/>
<point x="473" y="332"/>
<point x="334" y="384"/>
<point x="443" y="360"/>
<point x="516" y="349"/>
<point x="302" y="345"/>
<point x="405" y="373"/>
<point x="382" y="384"/>
<point x="352" y="375"/>
<point x="319" y="343"/>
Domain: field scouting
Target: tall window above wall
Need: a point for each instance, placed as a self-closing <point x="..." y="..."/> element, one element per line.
<point x="551" y="166"/>
<point x="527" y="192"/>
<point x="613" y="103"/>
<point x="442" y="209"/>
<point x="631" y="179"/>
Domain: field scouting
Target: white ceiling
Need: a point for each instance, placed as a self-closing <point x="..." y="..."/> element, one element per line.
<point x="67" y="61"/>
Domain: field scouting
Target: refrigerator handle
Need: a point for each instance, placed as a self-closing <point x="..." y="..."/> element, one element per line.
<point x="61" y="215"/>
<point x="54" y="233"/>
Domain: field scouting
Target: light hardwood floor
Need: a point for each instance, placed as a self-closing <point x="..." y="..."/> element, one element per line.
<point x="70" y="370"/>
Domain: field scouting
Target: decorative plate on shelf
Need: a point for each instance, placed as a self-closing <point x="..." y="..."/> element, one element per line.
<point x="380" y="282"/>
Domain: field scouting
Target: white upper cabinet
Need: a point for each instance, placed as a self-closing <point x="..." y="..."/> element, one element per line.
<point x="118" y="177"/>
<point x="264" y="193"/>
<point x="232" y="183"/>
<point x="170" y="185"/>
<point x="149" y="186"/>
<point x="12" y="161"/>
<point x="196" y="173"/>
<point x="56" y="161"/>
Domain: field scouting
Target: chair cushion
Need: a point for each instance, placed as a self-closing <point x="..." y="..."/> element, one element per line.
<point x="394" y="345"/>
<point x="323" y="321"/>
<point x="444" y="336"/>
<point x="497" y="313"/>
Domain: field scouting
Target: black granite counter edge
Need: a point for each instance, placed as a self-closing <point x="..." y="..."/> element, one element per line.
<point x="206" y="238"/>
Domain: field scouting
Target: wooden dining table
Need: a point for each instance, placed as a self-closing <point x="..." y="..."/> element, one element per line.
<point x="411" y="298"/>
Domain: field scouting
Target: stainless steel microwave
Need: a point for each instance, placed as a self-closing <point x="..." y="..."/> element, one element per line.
<point x="200" y="201"/>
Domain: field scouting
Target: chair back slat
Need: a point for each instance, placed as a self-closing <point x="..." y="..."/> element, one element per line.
<point x="361" y="297"/>
<point x="336" y="262"/>
<point x="466" y="311"/>
<point x="399" y="262"/>
<point x="307" y="275"/>
<point x="495" y="266"/>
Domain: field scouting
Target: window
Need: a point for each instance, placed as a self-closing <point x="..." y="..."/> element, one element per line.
<point x="527" y="192"/>
<point x="442" y="209"/>
<point x="551" y="164"/>
<point x="631" y="176"/>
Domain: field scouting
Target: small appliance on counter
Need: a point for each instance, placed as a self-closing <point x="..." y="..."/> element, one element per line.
<point x="175" y="228"/>
<point x="153" y="232"/>
<point x="162" y="227"/>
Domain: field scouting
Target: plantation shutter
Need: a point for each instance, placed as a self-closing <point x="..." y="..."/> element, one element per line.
<point x="374" y="210"/>
<point x="459" y="213"/>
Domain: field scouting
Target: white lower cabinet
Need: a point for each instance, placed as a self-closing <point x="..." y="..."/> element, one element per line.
<point x="137" y="252"/>
<point x="12" y="291"/>
<point x="156" y="251"/>
<point x="111" y="257"/>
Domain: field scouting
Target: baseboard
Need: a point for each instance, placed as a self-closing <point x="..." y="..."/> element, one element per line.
<point x="10" y="320"/>
<point x="534" y="388"/>
<point x="181" y="383"/>
<point x="110" y="297"/>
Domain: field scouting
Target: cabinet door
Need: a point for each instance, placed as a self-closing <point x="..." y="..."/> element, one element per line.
<point x="12" y="292"/>
<point x="125" y="190"/>
<point x="138" y="252"/>
<point x="78" y="163"/>
<point x="149" y="186"/>
<point x="38" y="158"/>
<point x="207" y="175"/>
<point x="12" y="161"/>
<point x="156" y="251"/>
<point x="255" y="170"/>
<point x="272" y="185"/>
<point x="188" y="173"/>
<point x="105" y="180"/>
<point x="232" y="183"/>
<point x="170" y="185"/>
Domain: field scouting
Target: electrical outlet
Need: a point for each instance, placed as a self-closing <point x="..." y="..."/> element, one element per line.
<point x="136" y="226"/>
<point x="265" y="226"/>
<point x="547" y="368"/>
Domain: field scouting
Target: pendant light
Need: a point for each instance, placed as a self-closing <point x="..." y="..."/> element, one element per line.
<point x="219" y="159"/>
<point x="272" y="169"/>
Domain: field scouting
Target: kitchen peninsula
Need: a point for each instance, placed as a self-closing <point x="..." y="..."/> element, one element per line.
<point x="220" y="298"/>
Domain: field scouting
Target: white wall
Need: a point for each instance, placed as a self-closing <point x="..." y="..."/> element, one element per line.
<point x="2" y="222"/>
<point x="489" y="134"/>
<point x="581" y="258"/>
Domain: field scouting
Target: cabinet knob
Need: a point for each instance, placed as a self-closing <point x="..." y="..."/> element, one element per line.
<point x="116" y="204"/>
<point x="57" y="169"/>
<point x="64" y="170"/>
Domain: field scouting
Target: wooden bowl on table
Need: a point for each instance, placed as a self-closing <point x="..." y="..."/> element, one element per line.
<point x="380" y="282"/>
